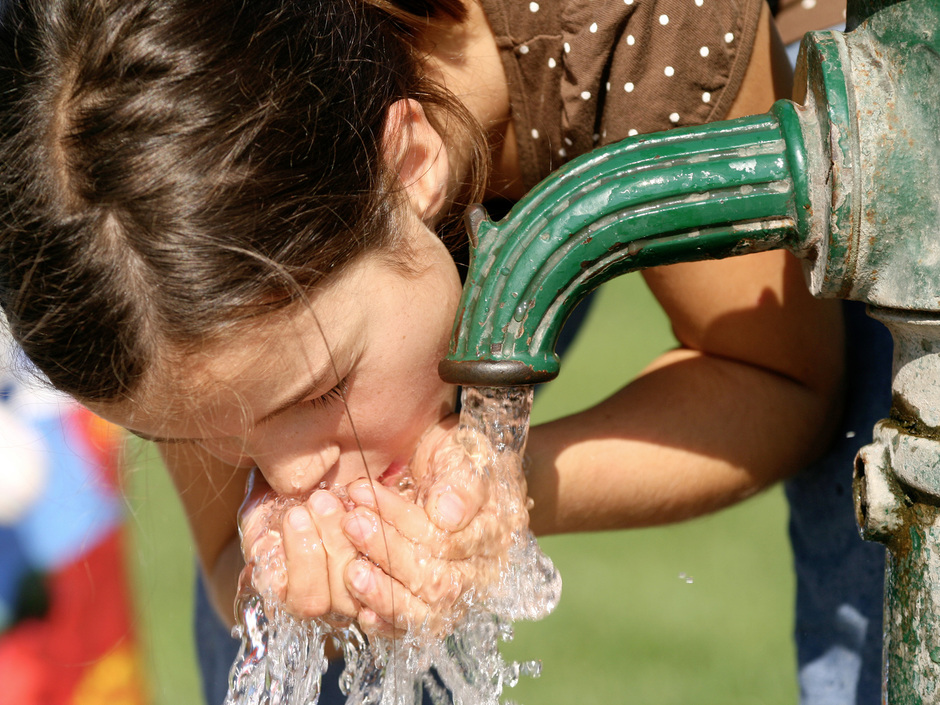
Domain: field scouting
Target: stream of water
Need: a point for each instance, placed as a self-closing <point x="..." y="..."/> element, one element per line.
<point x="282" y="659"/>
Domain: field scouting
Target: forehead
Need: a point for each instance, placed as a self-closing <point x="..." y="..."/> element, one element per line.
<point x="232" y="381"/>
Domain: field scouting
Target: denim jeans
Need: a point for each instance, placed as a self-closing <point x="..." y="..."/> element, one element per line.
<point x="840" y="577"/>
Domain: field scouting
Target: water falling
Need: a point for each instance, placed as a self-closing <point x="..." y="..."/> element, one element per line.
<point x="282" y="659"/>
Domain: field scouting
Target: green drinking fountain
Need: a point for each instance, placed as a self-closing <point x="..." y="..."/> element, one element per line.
<point x="846" y="177"/>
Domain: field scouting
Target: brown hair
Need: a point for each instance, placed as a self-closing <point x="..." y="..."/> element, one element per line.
<point x="169" y="167"/>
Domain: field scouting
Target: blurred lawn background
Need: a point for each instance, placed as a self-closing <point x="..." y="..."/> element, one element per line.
<point x="631" y="627"/>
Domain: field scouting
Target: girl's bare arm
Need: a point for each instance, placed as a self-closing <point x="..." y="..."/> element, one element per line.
<point x="749" y="397"/>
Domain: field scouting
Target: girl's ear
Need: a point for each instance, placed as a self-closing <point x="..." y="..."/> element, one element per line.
<point x="415" y="149"/>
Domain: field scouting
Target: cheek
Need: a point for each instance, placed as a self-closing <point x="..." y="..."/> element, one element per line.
<point x="398" y="415"/>
<point x="406" y="380"/>
<point x="232" y="452"/>
<point x="410" y="411"/>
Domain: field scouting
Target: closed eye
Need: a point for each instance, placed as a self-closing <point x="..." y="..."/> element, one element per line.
<point x="335" y="394"/>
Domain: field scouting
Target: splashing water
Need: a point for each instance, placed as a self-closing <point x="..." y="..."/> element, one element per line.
<point x="282" y="659"/>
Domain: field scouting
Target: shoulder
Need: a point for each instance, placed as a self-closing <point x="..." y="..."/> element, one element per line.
<point x="797" y="17"/>
<point x="585" y="72"/>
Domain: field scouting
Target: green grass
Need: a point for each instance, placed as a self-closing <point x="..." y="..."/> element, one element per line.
<point x="628" y="629"/>
<point x="162" y="556"/>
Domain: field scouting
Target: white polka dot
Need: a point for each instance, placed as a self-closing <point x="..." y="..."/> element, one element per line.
<point x="533" y="7"/>
<point x="569" y="142"/>
<point x="607" y="87"/>
<point x="562" y="153"/>
<point x="524" y="49"/>
<point x="664" y="19"/>
<point x="631" y="40"/>
<point x="674" y="118"/>
<point x="669" y="71"/>
<point x="703" y="51"/>
<point x="808" y="4"/>
<point x="632" y="133"/>
<point x="699" y="3"/>
<point x="628" y="87"/>
<point x="597" y="137"/>
<point x="593" y="28"/>
<point x="729" y="37"/>
<point x="535" y="134"/>
<point x="706" y="97"/>
<point x="551" y="63"/>
<point x="627" y="2"/>
<point x="567" y="48"/>
<point x="585" y="95"/>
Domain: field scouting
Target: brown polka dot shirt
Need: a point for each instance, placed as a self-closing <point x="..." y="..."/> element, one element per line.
<point x="583" y="73"/>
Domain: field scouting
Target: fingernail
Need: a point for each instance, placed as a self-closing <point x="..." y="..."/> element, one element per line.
<point x="323" y="503"/>
<point x="450" y="509"/>
<point x="299" y="518"/>
<point x="362" y="579"/>
<point x="358" y="528"/>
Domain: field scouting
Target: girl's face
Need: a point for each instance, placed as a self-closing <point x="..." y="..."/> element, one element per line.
<point x="273" y="396"/>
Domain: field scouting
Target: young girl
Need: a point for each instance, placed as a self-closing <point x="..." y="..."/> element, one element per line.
<point x="228" y="227"/>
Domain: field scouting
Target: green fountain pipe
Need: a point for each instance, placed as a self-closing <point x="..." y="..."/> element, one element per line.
<point x="847" y="181"/>
<point x="706" y="192"/>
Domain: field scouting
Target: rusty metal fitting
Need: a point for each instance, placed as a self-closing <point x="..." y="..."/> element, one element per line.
<point x="879" y="501"/>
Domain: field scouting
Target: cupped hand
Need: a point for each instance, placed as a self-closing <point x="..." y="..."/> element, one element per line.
<point x="410" y="556"/>
<point x="296" y="552"/>
<point x="424" y="562"/>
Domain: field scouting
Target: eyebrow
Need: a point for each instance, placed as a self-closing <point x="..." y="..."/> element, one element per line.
<point x="318" y="382"/>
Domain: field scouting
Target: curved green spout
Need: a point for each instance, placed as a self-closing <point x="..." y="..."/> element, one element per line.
<point x="689" y="194"/>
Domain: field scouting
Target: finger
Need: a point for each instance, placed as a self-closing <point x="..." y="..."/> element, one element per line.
<point x="265" y="557"/>
<point x="407" y="517"/>
<point x="435" y="581"/>
<point x="388" y="600"/>
<point x="451" y="506"/>
<point x="328" y="514"/>
<point x="412" y="522"/>
<point x="379" y="542"/>
<point x="458" y="488"/>
<point x="372" y="625"/>
<point x="308" y="589"/>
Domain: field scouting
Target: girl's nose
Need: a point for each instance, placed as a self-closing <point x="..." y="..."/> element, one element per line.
<point x="290" y="467"/>
<point x="298" y="471"/>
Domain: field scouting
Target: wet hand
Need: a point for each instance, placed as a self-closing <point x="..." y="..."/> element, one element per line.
<point x="296" y="552"/>
<point x="454" y="489"/>
<point x="415" y="573"/>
